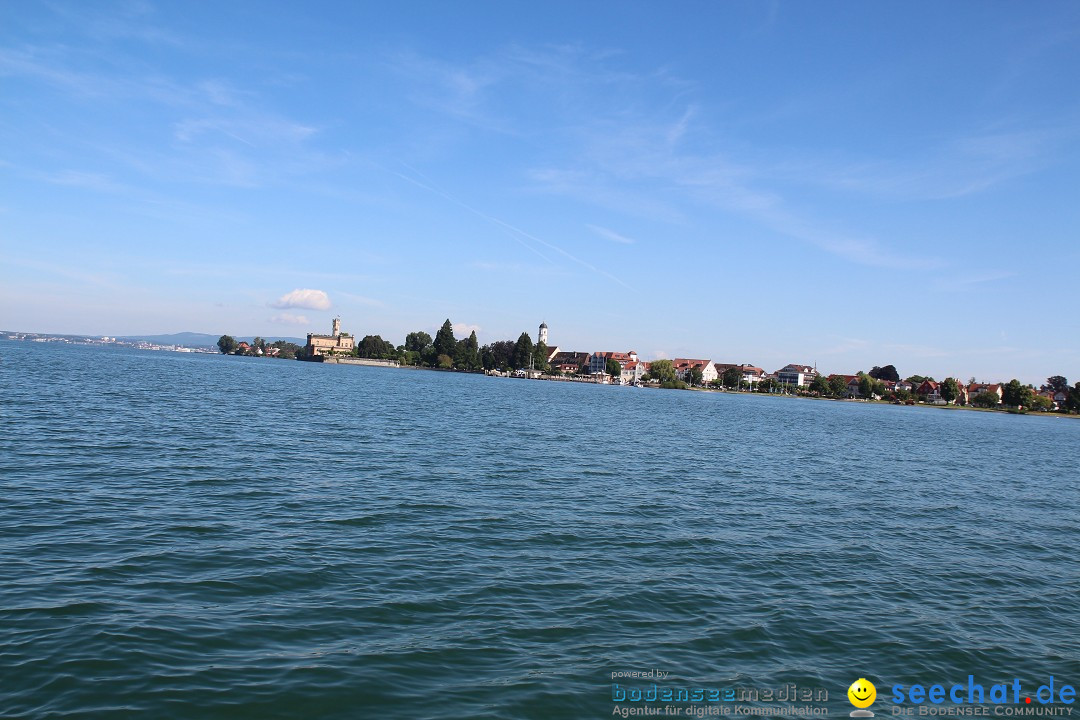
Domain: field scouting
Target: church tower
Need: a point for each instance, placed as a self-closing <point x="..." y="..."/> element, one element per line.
<point x="542" y="335"/>
<point x="337" y="326"/>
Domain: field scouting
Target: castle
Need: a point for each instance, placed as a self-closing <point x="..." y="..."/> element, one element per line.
<point x="337" y="343"/>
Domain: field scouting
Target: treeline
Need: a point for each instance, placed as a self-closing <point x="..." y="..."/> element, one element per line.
<point x="447" y="352"/>
<point x="258" y="347"/>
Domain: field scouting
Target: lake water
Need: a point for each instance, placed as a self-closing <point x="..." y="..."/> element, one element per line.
<point x="197" y="536"/>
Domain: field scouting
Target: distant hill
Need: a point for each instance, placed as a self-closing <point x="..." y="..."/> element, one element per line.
<point x="193" y="339"/>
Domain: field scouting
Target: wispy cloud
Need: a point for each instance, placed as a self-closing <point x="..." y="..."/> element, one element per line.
<point x="303" y="298"/>
<point x="521" y="236"/>
<point x="286" y="318"/>
<point x="611" y="235"/>
<point x="464" y="329"/>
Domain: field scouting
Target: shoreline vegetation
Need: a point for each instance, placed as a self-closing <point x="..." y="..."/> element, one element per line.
<point x="522" y="358"/>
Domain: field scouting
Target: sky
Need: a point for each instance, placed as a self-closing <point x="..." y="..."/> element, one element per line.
<point x="845" y="184"/>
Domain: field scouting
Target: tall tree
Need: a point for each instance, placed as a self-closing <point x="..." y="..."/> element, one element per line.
<point x="373" y="346"/>
<point x="468" y="353"/>
<point x="1072" y="400"/>
<point x="613" y="368"/>
<point x="696" y="375"/>
<point x="866" y="385"/>
<point x="885" y="373"/>
<point x="1057" y="383"/>
<point x="417" y="341"/>
<point x="523" y="351"/>
<point x="445" y="344"/>
<point x="1014" y="394"/>
<point x="820" y="385"/>
<point x="227" y="344"/>
<point x="838" y="386"/>
<point x="950" y="389"/>
<point x="540" y="357"/>
<point x="731" y="377"/>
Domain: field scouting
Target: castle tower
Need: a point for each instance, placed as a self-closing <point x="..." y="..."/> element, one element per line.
<point x="337" y="326"/>
<point x="542" y="335"/>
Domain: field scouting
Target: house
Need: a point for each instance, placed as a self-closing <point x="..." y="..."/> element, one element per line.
<point x="978" y="388"/>
<point x="337" y="343"/>
<point x="243" y="347"/>
<point x="632" y="372"/>
<point x="568" y="362"/>
<point x="685" y="366"/>
<point x="853" y="386"/>
<point x="904" y="385"/>
<point x="930" y="391"/>
<point x="750" y="373"/>
<point x="797" y="375"/>
<point x="598" y="360"/>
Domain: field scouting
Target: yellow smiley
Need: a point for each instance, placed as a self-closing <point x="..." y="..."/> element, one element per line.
<point x="862" y="693"/>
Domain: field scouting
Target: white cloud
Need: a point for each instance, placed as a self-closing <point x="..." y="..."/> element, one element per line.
<point x="286" y="318"/>
<point x="303" y="298"/>
<point x="461" y="329"/>
<point x="611" y="235"/>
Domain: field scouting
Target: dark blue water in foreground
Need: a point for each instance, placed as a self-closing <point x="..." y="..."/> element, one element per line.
<point x="213" y="537"/>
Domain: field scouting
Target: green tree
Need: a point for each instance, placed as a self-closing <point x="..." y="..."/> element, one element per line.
<point x="696" y="375"/>
<point x="523" y="351"/>
<point x="445" y="361"/>
<point x="445" y="344"/>
<point x="1072" y="400"/>
<point x="1057" y="383"/>
<point x="885" y="373"/>
<point x="949" y="390"/>
<point x="1040" y="403"/>
<point x="662" y="371"/>
<point x="468" y="353"/>
<point x="731" y="377"/>
<point x="767" y="385"/>
<point x="540" y="357"/>
<point x="1014" y="394"/>
<point x="986" y="399"/>
<point x="498" y="355"/>
<point x="838" y="386"/>
<point x="866" y="385"/>
<point x="227" y="344"/>
<point x="417" y="341"/>
<point x="919" y="379"/>
<point x="373" y="346"/>
<point x="820" y="385"/>
<point x="613" y="368"/>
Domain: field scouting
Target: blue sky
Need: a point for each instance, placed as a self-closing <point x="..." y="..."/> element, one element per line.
<point x="847" y="184"/>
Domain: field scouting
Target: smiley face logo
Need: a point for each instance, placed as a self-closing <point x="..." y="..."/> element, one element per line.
<point x="862" y="693"/>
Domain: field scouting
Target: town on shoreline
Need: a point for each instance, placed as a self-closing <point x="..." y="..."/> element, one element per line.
<point x="543" y="361"/>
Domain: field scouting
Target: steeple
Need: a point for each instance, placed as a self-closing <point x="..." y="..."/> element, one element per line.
<point x="542" y="336"/>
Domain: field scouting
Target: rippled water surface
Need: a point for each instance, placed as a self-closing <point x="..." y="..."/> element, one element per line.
<point x="197" y="536"/>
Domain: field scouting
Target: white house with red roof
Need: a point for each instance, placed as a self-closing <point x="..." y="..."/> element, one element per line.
<point x="685" y="366"/>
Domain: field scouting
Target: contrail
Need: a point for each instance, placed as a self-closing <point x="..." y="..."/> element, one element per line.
<point x="514" y="230"/>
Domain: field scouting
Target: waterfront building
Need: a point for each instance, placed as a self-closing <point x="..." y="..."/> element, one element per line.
<point x="598" y="360"/>
<point x="685" y="366"/>
<point x="796" y="375"/>
<point x="336" y="343"/>
<point x="568" y="362"/>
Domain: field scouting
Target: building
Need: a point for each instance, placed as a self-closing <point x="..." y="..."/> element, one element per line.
<point x="750" y="373"/>
<point x="542" y="335"/>
<point x="685" y="366"/>
<point x="976" y="388"/>
<point x="568" y="362"/>
<point x="598" y="360"/>
<point x="632" y="372"/>
<point x="796" y="375"/>
<point x="337" y="343"/>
